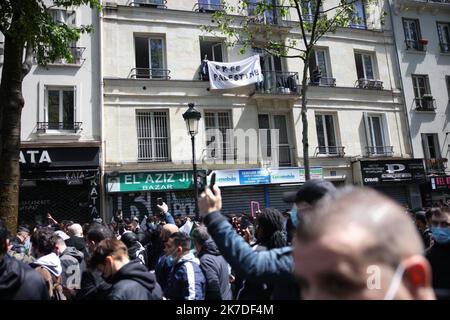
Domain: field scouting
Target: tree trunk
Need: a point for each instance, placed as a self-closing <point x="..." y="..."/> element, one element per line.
<point x="305" y="118"/>
<point x="11" y="104"/>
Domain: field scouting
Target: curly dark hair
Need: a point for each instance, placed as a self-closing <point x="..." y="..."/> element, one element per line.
<point x="270" y="221"/>
<point x="44" y="240"/>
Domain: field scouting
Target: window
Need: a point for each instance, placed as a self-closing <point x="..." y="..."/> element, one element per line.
<point x="444" y="36"/>
<point x="60" y="109"/>
<point x="432" y="152"/>
<point x="412" y="34"/>
<point x="153" y="136"/>
<point x="364" y="66"/>
<point x="269" y="16"/>
<point x="447" y="80"/>
<point x="220" y="120"/>
<point x="309" y="10"/>
<point x="277" y="122"/>
<point x="150" y="58"/>
<point x="209" y="5"/>
<point x="377" y="135"/>
<point x="211" y="50"/>
<point x="422" y="93"/>
<point x="150" y="3"/>
<point x="359" y="18"/>
<point x="326" y="134"/>
<point x="322" y="74"/>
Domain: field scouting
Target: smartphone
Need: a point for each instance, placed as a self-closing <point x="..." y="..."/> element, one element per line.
<point x="159" y="201"/>
<point x="212" y="182"/>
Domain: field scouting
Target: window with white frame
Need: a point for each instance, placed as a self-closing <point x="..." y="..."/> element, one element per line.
<point x="359" y="15"/>
<point x="326" y="134"/>
<point x="150" y="58"/>
<point x="68" y="17"/>
<point x="320" y="68"/>
<point x="432" y="152"/>
<point x="443" y="29"/>
<point x="309" y="10"/>
<point x="377" y="135"/>
<point x="60" y="109"/>
<point x="211" y="50"/>
<point x="218" y="121"/>
<point x="422" y="93"/>
<point x="153" y="136"/>
<point x="364" y="66"/>
<point x="275" y="122"/>
<point x="411" y="28"/>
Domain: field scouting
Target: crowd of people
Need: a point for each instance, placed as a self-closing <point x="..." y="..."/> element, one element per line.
<point x="351" y="243"/>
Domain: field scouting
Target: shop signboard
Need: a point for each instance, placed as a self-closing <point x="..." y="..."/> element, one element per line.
<point x="409" y="171"/>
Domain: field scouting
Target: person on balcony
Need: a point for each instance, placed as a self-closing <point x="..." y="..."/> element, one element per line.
<point x="316" y="76"/>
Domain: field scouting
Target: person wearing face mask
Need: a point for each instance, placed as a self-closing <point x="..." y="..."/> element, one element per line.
<point x="186" y="279"/>
<point x="439" y="254"/>
<point x="165" y="260"/>
<point x="359" y="245"/>
<point x="130" y="280"/>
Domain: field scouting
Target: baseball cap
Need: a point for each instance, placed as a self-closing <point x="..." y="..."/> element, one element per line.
<point x="62" y="235"/>
<point x="310" y="192"/>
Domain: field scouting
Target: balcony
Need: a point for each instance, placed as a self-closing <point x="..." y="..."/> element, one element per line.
<point x="278" y="16"/>
<point x="332" y="151"/>
<point x="369" y="84"/>
<point x="380" y="151"/>
<point x="285" y="156"/>
<point x="356" y="25"/>
<point x="43" y="127"/>
<point x="426" y="103"/>
<point x="226" y="153"/>
<point x="322" y="82"/>
<point x="161" y="4"/>
<point x="147" y="73"/>
<point x="77" y="54"/>
<point x="436" y="166"/>
<point x="445" y="47"/>
<point x="279" y="83"/>
<point x="309" y="18"/>
<point x="417" y="45"/>
<point x="201" y="6"/>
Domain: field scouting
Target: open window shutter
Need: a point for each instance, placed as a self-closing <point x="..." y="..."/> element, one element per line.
<point x="75" y="99"/>
<point x="426" y="149"/>
<point x="387" y="137"/>
<point x="367" y="128"/>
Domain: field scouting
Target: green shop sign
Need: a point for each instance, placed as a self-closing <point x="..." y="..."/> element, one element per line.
<point x="150" y="181"/>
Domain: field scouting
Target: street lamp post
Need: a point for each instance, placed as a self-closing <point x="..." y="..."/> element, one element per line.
<point x="192" y="117"/>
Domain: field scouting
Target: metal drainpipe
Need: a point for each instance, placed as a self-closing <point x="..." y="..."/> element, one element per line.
<point x="401" y="78"/>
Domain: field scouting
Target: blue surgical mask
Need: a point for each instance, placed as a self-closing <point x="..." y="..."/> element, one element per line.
<point x="294" y="216"/>
<point x="441" y="235"/>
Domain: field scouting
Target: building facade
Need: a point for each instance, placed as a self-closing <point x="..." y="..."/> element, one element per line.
<point x="152" y="55"/>
<point x="422" y="34"/>
<point x="61" y="131"/>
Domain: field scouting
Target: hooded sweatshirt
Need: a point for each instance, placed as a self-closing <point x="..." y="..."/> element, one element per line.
<point x="134" y="282"/>
<point x="216" y="272"/>
<point x="20" y="282"/>
<point x="72" y="262"/>
<point x="51" y="262"/>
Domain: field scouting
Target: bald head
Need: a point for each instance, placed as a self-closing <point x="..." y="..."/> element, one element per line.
<point x="167" y="230"/>
<point x="379" y="220"/>
<point x="354" y="235"/>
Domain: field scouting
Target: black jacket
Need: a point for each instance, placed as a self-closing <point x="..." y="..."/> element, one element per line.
<point x="93" y="287"/>
<point x="439" y="257"/>
<point x="79" y="244"/>
<point x="216" y="272"/>
<point x="20" y="282"/>
<point x="134" y="282"/>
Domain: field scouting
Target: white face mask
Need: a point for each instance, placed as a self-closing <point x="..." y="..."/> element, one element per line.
<point x="395" y="283"/>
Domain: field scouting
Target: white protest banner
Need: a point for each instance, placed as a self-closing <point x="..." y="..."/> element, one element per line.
<point x="226" y="75"/>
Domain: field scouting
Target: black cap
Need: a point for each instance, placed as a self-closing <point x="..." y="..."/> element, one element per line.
<point x="310" y="192"/>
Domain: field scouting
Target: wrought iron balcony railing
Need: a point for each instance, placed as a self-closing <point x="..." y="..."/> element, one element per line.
<point x="436" y="165"/>
<point x="386" y="151"/>
<point x="336" y="151"/>
<point x="279" y="15"/>
<point x="283" y="83"/>
<point x="322" y="81"/>
<point x="201" y="6"/>
<point x="416" y="45"/>
<point x="284" y="156"/>
<point x="369" y="84"/>
<point x="148" y="3"/>
<point x="425" y="103"/>
<point x="147" y="73"/>
<point x="77" y="54"/>
<point x="42" y="127"/>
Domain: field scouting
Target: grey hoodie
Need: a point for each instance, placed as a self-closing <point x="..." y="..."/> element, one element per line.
<point x="72" y="262"/>
<point x="51" y="262"/>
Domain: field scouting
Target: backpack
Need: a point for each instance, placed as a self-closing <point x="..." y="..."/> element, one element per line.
<point x="54" y="284"/>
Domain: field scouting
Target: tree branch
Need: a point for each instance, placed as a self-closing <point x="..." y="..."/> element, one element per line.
<point x="300" y="17"/>
<point x="339" y="6"/>
<point x="27" y="64"/>
<point x="281" y="55"/>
